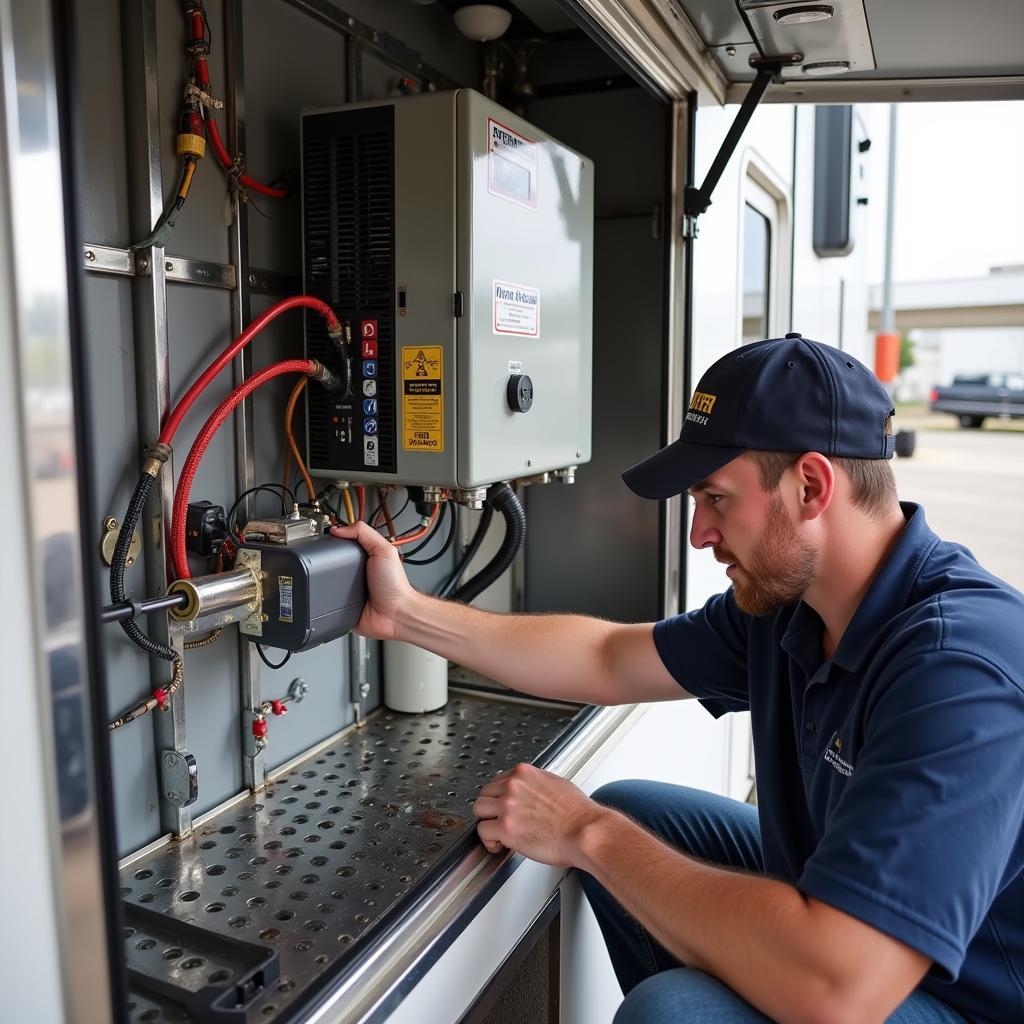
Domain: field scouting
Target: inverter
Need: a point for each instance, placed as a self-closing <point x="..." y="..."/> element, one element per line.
<point x="457" y="241"/>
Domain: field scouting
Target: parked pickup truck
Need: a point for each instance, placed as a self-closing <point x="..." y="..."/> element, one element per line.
<point x="973" y="396"/>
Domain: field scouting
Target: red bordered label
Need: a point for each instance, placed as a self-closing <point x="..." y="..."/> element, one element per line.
<point x="512" y="165"/>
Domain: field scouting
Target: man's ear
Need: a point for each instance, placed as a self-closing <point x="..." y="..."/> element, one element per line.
<point x="816" y="483"/>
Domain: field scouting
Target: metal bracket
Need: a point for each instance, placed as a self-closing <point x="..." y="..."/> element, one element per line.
<point x="697" y="200"/>
<point x="111" y="531"/>
<point x="179" y="777"/>
<point x="252" y="624"/>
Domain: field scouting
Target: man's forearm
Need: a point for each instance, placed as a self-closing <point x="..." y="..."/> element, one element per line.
<point x="760" y="937"/>
<point x="556" y="656"/>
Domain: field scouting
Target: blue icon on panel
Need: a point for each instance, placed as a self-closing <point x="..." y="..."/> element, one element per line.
<point x="369" y="367"/>
<point x="370" y="426"/>
<point x="369" y="406"/>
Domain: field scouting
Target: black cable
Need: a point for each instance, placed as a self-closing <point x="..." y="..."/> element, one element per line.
<point x="468" y="555"/>
<point x="117" y="565"/>
<point x="268" y="488"/>
<point x="266" y="661"/>
<point x="504" y="500"/>
<point x="433" y="533"/>
<point x="394" y="515"/>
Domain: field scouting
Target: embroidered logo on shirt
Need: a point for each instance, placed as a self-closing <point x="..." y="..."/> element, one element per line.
<point x="833" y="756"/>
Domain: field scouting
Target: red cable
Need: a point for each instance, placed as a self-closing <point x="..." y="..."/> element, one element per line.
<point x="203" y="438"/>
<point x="361" y="497"/>
<point x="203" y="71"/>
<point x="173" y="421"/>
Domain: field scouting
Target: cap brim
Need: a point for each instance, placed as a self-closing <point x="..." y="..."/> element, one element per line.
<point x="677" y="467"/>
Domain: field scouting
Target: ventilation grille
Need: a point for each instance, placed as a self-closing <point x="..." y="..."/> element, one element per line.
<point x="349" y="202"/>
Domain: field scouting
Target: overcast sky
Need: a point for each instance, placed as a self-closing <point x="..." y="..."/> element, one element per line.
<point x="959" y="190"/>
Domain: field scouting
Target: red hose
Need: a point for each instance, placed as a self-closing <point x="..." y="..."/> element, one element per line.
<point x="173" y="421"/>
<point x="203" y="71"/>
<point x="203" y="438"/>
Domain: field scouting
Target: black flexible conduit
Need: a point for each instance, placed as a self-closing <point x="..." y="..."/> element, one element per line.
<point x="470" y="553"/>
<point x="131" y="519"/>
<point x="504" y="500"/>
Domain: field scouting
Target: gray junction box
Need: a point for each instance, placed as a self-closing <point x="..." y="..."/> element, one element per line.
<point x="457" y="239"/>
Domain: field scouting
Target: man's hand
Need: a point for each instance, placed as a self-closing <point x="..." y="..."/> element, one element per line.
<point x="388" y="588"/>
<point x="535" y="813"/>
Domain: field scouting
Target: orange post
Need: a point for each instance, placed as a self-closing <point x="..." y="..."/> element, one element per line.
<point x="887" y="356"/>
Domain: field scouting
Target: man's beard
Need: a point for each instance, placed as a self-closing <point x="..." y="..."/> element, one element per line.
<point x="780" y="570"/>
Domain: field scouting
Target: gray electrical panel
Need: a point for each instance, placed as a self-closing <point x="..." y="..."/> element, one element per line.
<point x="457" y="239"/>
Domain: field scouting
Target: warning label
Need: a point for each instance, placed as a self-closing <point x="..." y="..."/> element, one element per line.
<point x="516" y="309"/>
<point x="422" y="400"/>
<point x="511" y="165"/>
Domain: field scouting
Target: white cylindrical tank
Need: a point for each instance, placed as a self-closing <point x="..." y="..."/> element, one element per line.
<point x="415" y="680"/>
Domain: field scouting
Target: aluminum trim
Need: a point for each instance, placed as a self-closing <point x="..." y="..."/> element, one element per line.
<point x="254" y="769"/>
<point x="674" y="585"/>
<point x="108" y="259"/>
<point x="889" y="90"/>
<point x="393" y="969"/>
<point x="72" y="912"/>
<point x="149" y="317"/>
<point x="674" y="59"/>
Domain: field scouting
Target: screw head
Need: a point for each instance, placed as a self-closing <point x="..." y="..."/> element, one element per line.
<point x="170" y="796"/>
<point x="110" y="523"/>
<point x="129" y="560"/>
<point x="730" y="51"/>
<point x="143" y="263"/>
<point x="252" y="279"/>
<point x="168" y="265"/>
<point x="90" y="255"/>
<point x="170" y="760"/>
<point x="529" y="462"/>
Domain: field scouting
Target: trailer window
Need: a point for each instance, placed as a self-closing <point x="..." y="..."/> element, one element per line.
<point x="757" y="239"/>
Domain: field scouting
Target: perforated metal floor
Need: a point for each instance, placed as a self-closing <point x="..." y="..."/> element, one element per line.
<point x="321" y="857"/>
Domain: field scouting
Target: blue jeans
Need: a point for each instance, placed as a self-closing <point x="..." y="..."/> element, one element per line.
<point x="658" y="989"/>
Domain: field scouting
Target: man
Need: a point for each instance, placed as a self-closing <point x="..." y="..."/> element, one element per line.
<point x="881" y="877"/>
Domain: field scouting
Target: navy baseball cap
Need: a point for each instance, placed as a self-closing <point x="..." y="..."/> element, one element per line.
<point x="786" y="394"/>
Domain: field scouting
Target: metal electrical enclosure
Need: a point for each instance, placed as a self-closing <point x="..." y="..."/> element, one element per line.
<point x="457" y="239"/>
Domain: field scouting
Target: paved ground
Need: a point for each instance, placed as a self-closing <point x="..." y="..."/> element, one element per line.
<point x="971" y="483"/>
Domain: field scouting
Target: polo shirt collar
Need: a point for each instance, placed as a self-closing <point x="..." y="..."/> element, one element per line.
<point x="887" y="595"/>
<point x="889" y="590"/>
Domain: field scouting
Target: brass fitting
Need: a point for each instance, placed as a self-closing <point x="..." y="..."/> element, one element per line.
<point x="156" y="455"/>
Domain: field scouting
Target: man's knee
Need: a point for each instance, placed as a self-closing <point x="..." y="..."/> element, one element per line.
<point x="685" y="996"/>
<point x="630" y="796"/>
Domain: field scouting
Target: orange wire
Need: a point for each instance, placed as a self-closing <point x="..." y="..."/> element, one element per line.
<point x="361" y="498"/>
<point x="289" y="414"/>
<point x="408" y="539"/>
<point x="383" y="498"/>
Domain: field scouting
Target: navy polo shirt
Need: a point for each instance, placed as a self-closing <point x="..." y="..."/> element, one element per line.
<point x="890" y="777"/>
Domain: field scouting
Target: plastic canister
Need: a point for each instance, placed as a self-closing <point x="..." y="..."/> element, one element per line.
<point x="415" y="680"/>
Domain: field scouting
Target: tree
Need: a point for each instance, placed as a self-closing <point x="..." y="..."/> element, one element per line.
<point x="906" y="351"/>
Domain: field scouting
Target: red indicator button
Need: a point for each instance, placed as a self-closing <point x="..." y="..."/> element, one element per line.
<point x="368" y="329"/>
<point x="369" y="348"/>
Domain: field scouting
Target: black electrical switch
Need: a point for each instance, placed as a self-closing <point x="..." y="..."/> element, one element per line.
<point x="205" y="528"/>
<point x="520" y="392"/>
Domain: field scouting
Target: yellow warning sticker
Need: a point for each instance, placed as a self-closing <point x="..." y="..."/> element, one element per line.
<point x="422" y="400"/>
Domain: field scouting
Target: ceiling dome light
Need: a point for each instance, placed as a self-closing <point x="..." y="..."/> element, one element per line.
<point x="482" y="22"/>
<point x="804" y="14"/>
<point x="824" y="68"/>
